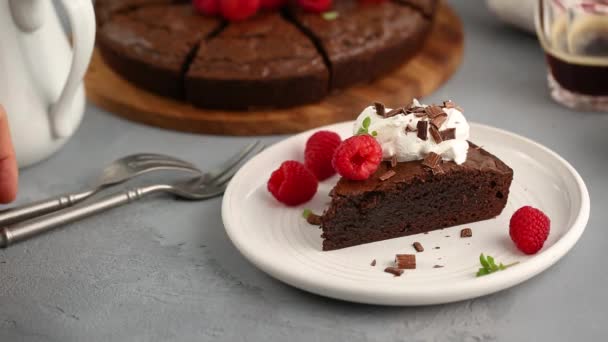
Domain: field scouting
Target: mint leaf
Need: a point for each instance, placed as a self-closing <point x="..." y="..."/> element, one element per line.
<point x="366" y="122"/>
<point x="484" y="263"/>
<point x="330" y="15"/>
<point x="489" y="265"/>
<point x="306" y="213"/>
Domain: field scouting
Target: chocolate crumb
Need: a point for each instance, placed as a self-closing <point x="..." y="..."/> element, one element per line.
<point x="466" y="232"/>
<point x="394" y="112"/>
<point x="425" y="233"/>
<point x="393" y="161"/>
<point x="418" y="247"/>
<point x="379" y="108"/>
<point x="434" y="111"/>
<point x="409" y="128"/>
<point x="422" y="128"/>
<point x="435" y="134"/>
<point x="405" y="261"/>
<point x="394" y="270"/>
<point x="439" y="120"/>
<point x="313" y="219"/>
<point x="388" y="174"/>
<point x="437" y="247"/>
<point x="447" y="236"/>
<point x="373" y="262"/>
<point x="437" y="266"/>
<point x="431" y="160"/>
<point x="448" y="134"/>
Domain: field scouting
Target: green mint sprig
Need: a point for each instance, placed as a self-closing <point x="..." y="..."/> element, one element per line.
<point x="330" y="15"/>
<point x="489" y="265"/>
<point x="306" y="213"/>
<point x="364" y="129"/>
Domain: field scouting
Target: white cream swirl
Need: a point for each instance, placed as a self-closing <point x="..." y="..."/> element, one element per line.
<point x="406" y="146"/>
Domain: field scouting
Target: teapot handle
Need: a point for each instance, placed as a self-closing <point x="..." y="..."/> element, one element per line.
<point x="82" y="21"/>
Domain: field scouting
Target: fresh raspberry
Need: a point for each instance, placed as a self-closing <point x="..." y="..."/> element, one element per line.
<point x="319" y="151"/>
<point x="236" y="10"/>
<point x="315" y="6"/>
<point x="358" y="157"/>
<point x="272" y="4"/>
<point x="292" y="183"/>
<point x="208" y="7"/>
<point x="529" y="228"/>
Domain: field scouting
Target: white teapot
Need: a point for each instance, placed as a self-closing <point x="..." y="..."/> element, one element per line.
<point x="40" y="77"/>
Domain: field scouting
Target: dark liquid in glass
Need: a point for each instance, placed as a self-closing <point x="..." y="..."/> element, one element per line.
<point x="579" y="78"/>
<point x="585" y="67"/>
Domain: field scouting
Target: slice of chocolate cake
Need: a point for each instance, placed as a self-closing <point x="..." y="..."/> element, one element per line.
<point x="150" y="46"/>
<point x="365" y="41"/>
<point x="416" y="199"/>
<point x="432" y="178"/>
<point x="260" y="62"/>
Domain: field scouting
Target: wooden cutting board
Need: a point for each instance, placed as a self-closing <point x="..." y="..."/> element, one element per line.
<point x="434" y="65"/>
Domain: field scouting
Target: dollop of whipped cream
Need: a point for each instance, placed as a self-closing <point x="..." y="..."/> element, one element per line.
<point x="392" y="136"/>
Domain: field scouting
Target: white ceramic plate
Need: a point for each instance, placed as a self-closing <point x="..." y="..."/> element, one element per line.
<point x="277" y="239"/>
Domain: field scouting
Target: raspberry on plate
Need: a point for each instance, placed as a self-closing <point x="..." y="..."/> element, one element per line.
<point x="292" y="183"/>
<point x="315" y="6"/>
<point x="319" y="152"/>
<point x="236" y="10"/>
<point x="358" y="157"/>
<point x="529" y="229"/>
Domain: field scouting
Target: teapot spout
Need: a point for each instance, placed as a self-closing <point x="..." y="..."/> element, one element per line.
<point x="28" y="15"/>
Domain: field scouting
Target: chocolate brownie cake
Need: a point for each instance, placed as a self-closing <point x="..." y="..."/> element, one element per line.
<point x="105" y="9"/>
<point x="433" y="178"/>
<point x="293" y="58"/>
<point x="416" y="200"/>
<point x="365" y="41"/>
<point x="261" y="62"/>
<point x="141" y="45"/>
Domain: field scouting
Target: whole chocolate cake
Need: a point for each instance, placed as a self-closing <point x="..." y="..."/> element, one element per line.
<point x="278" y="58"/>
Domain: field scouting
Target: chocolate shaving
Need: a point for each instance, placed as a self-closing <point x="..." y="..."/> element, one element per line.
<point x="420" y="114"/>
<point x="436" y="135"/>
<point x="393" y="161"/>
<point x="431" y="160"/>
<point x="437" y="266"/>
<point x="394" y="270"/>
<point x="373" y="262"/>
<point x="438" y="170"/>
<point x="448" y="134"/>
<point x="379" y="108"/>
<point x="314" y="219"/>
<point x="388" y="174"/>
<point x="394" y="112"/>
<point x="418" y="247"/>
<point x="417" y="109"/>
<point x="439" y="120"/>
<point x="405" y="261"/>
<point x="466" y="232"/>
<point x="449" y="104"/>
<point x="422" y="128"/>
<point x="434" y="111"/>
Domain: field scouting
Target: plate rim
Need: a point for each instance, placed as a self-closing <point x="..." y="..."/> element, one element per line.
<point x="484" y="286"/>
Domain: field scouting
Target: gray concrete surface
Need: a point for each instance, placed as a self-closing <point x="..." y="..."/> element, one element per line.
<point x="165" y="270"/>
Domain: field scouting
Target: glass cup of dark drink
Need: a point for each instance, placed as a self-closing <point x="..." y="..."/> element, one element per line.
<point x="574" y="36"/>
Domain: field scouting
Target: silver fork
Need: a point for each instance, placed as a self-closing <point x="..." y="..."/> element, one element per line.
<point x="207" y="186"/>
<point x="119" y="171"/>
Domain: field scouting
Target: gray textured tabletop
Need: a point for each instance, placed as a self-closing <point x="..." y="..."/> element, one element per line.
<point x="165" y="270"/>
